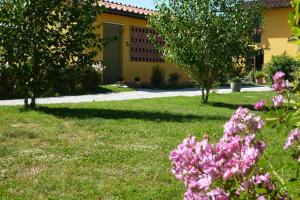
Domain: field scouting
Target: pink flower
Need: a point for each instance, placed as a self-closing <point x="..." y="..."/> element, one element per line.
<point x="294" y="135"/>
<point x="280" y="84"/>
<point x="265" y="180"/>
<point x="260" y="105"/>
<point x="278" y="76"/>
<point x="243" y="122"/>
<point x="261" y="198"/>
<point x="278" y="101"/>
<point x="218" y="194"/>
<point x="201" y="166"/>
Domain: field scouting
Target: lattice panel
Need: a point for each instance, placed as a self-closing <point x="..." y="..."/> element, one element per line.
<point x="142" y="50"/>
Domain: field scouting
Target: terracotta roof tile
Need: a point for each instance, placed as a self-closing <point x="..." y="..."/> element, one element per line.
<point x="125" y="8"/>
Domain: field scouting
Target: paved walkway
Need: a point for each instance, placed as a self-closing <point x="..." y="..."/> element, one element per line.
<point x="140" y="94"/>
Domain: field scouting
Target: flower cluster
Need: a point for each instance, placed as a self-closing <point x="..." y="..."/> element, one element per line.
<point x="293" y="137"/>
<point x="201" y="165"/>
<point x="280" y="85"/>
<point x="243" y="122"/>
<point x="259" y="105"/>
<point x="278" y="101"/>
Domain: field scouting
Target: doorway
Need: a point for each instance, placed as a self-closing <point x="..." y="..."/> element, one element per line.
<point x="112" y="52"/>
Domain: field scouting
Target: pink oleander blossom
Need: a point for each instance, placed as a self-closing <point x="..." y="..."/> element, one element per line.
<point x="278" y="101"/>
<point x="264" y="180"/>
<point x="278" y="76"/>
<point x="201" y="166"/>
<point x="261" y="198"/>
<point x="280" y="84"/>
<point x="294" y="136"/>
<point x="243" y="122"/>
<point x="259" y="105"/>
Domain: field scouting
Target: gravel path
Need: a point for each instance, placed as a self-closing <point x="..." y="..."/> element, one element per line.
<point x="140" y="94"/>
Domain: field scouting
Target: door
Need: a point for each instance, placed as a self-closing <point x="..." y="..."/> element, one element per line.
<point x="112" y="53"/>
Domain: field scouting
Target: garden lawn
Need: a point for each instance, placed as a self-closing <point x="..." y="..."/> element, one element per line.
<point x="112" y="150"/>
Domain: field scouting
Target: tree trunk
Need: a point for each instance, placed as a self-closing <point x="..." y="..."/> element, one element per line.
<point x="26" y="102"/>
<point x="205" y="95"/>
<point x="32" y="103"/>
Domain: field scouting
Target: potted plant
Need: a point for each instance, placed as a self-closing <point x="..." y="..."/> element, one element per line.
<point x="137" y="81"/>
<point x="120" y="80"/>
<point x="260" y="77"/>
<point x="236" y="84"/>
<point x="173" y="78"/>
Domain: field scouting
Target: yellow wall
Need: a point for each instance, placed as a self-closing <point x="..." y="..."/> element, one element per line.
<point x="133" y="69"/>
<point x="276" y="32"/>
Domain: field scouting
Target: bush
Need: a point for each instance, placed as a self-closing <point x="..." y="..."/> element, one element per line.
<point x="137" y="79"/>
<point x="174" y="78"/>
<point x="158" y="76"/>
<point x="236" y="80"/>
<point x="259" y="74"/>
<point x="284" y="63"/>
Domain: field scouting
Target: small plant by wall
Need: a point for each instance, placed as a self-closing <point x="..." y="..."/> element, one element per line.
<point x="173" y="78"/>
<point x="158" y="76"/>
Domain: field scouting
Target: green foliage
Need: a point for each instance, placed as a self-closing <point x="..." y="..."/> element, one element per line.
<point x="236" y="80"/>
<point x="173" y="78"/>
<point x="206" y="38"/>
<point x="294" y="19"/>
<point x="45" y="44"/>
<point x="284" y="63"/>
<point x="251" y="75"/>
<point x="259" y="74"/>
<point x="158" y="76"/>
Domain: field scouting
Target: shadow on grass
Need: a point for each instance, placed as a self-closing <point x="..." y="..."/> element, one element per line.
<point x="86" y="113"/>
<point x="230" y="106"/>
<point x="233" y="106"/>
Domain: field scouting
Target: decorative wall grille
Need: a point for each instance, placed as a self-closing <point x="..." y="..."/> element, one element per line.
<point x="142" y="50"/>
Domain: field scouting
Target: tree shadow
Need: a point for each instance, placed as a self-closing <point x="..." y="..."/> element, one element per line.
<point x="87" y="113"/>
<point x="230" y="106"/>
<point x="234" y="106"/>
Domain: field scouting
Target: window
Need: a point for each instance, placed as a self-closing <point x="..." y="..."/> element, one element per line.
<point x="141" y="48"/>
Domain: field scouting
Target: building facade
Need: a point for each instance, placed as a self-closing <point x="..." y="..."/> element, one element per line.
<point x="275" y="38"/>
<point x="130" y="54"/>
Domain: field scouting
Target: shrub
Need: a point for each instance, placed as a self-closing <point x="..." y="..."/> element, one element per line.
<point x="137" y="79"/>
<point x="158" y="76"/>
<point x="259" y="74"/>
<point x="174" y="78"/>
<point x="284" y="63"/>
<point x="236" y="80"/>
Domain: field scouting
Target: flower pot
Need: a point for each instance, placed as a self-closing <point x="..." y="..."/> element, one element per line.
<point x="260" y="80"/>
<point x="137" y="84"/>
<point x="236" y="86"/>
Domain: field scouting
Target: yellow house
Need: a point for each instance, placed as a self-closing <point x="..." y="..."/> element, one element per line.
<point x="276" y="33"/>
<point x="129" y="53"/>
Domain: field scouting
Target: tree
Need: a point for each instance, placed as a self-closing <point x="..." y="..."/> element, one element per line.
<point x="206" y="38"/>
<point x="43" y="40"/>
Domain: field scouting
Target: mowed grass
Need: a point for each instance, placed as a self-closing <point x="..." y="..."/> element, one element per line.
<point x="112" y="150"/>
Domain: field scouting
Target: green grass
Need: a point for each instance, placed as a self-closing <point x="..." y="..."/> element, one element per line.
<point x="112" y="150"/>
